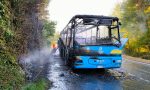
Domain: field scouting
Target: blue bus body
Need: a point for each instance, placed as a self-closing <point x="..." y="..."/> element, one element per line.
<point x="112" y="57"/>
<point x="91" y="42"/>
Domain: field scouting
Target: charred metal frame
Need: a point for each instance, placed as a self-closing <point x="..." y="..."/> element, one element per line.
<point x="86" y="20"/>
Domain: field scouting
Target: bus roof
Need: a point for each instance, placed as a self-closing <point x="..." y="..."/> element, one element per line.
<point x="94" y="17"/>
<point x="93" y="20"/>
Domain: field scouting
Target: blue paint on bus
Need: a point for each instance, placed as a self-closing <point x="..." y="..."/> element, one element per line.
<point x="109" y="60"/>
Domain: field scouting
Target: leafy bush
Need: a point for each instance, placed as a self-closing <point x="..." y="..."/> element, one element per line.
<point x="13" y="41"/>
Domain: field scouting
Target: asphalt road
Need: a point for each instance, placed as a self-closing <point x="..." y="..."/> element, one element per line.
<point x="131" y="76"/>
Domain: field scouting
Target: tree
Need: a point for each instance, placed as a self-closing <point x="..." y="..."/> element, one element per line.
<point x="135" y="18"/>
<point x="49" y="28"/>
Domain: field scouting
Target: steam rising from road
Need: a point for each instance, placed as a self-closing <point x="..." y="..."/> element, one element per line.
<point x="34" y="62"/>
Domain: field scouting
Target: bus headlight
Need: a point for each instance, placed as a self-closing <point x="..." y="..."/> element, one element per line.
<point x="115" y="51"/>
<point x="78" y="58"/>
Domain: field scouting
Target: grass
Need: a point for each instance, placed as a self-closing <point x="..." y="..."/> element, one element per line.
<point x="41" y="84"/>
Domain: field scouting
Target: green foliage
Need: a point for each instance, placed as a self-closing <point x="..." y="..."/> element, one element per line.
<point x="135" y="18"/>
<point x="13" y="40"/>
<point x="38" y="85"/>
<point x="11" y="77"/>
<point x="49" y="29"/>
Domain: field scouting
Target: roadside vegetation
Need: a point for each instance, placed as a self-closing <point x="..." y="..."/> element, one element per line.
<point x="42" y="84"/>
<point x="49" y="31"/>
<point x="21" y="31"/>
<point x="135" y="18"/>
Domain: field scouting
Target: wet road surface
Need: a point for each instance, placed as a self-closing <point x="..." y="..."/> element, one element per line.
<point x="131" y="76"/>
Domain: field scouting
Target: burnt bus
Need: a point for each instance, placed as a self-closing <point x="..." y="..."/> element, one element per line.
<point x="92" y="41"/>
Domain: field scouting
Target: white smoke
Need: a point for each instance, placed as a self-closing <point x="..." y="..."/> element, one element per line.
<point x="35" y="60"/>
